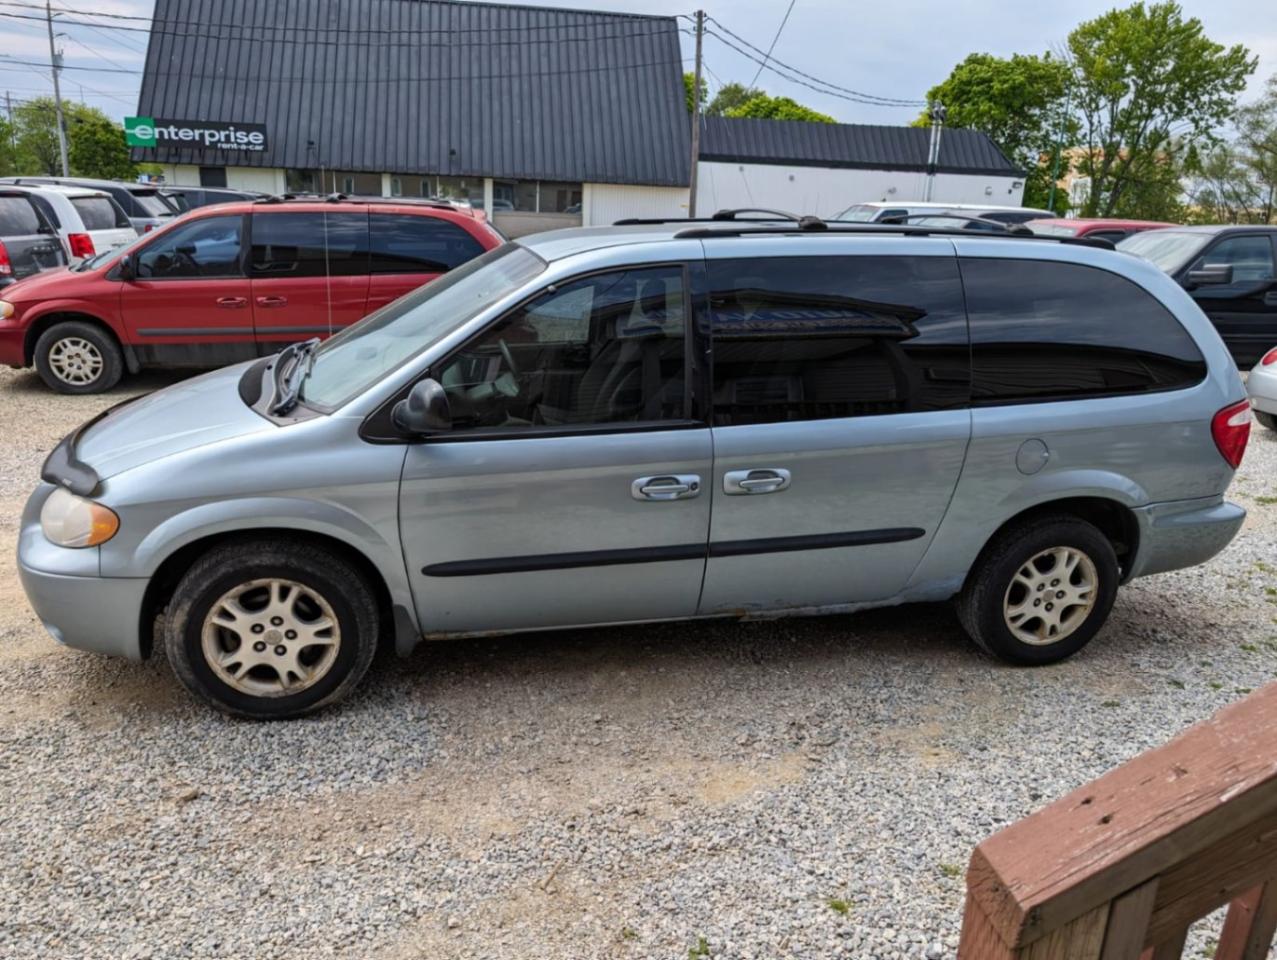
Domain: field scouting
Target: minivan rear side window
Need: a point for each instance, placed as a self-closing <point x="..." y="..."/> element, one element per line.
<point x="816" y="338"/>
<point x="1045" y="330"/>
<point x="17" y="217"/>
<point x="310" y="244"/>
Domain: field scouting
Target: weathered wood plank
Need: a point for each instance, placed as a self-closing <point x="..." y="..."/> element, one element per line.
<point x="1250" y="925"/>
<point x="1131" y="824"/>
<point x="1081" y="939"/>
<point x="1172" y="948"/>
<point x="1127" y="929"/>
<point x="979" y="940"/>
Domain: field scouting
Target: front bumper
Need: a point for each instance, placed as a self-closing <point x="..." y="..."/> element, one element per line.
<point x="1183" y="533"/>
<point x="99" y="614"/>
<point x="77" y="606"/>
<point x="12" y="342"/>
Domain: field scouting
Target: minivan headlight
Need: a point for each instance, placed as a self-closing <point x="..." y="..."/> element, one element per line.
<point x="71" y="521"/>
<point x="6" y="310"/>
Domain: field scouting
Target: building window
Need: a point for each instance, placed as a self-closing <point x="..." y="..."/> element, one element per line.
<point x="300" y="181"/>
<point x="532" y="196"/>
<point x="469" y="189"/>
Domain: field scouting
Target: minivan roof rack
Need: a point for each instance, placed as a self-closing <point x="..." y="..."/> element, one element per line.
<point x="339" y="197"/>
<point x="902" y="229"/>
<point x="717" y="217"/>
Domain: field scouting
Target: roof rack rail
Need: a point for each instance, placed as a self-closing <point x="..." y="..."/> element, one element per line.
<point x="719" y="216"/>
<point x="1015" y="228"/>
<point x="882" y="229"/>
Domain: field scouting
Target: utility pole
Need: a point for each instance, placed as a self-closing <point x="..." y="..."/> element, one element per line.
<point x="55" y="61"/>
<point x="933" y="153"/>
<point x="696" y="114"/>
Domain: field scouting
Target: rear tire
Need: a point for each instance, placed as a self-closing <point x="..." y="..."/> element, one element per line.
<point x="271" y="629"/>
<point x="1266" y="419"/>
<point x="78" y="357"/>
<point x="1040" y="590"/>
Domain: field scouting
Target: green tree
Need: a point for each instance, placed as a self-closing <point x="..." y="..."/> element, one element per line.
<point x="689" y="80"/>
<point x="1144" y="79"/>
<point x="1257" y="143"/>
<point x="729" y="97"/>
<point x="95" y="145"/>
<point x="1019" y="103"/>
<point x="8" y="154"/>
<point x="763" y="107"/>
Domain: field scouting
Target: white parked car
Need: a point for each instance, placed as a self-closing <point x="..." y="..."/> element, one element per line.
<point x="1261" y="385"/>
<point x="880" y="211"/>
<point x="88" y="221"/>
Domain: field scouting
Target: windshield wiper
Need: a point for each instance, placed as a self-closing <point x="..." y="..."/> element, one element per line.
<point x="292" y="360"/>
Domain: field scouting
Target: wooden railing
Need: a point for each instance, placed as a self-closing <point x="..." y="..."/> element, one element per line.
<point x="1119" y="869"/>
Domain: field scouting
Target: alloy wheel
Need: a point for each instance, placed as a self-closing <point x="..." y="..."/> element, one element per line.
<point x="1050" y="596"/>
<point x="76" y="361"/>
<point x="271" y="637"/>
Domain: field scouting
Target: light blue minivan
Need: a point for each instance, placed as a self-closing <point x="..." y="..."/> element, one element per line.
<point x="656" y="421"/>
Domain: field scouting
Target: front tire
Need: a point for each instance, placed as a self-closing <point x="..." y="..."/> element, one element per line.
<point x="271" y="629"/>
<point x="1266" y="419"/>
<point x="1040" y="590"/>
<point x="78" y="357"/>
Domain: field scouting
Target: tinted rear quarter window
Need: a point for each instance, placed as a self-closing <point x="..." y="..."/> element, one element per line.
<point x="1044" y="330"/>
<point x="17" y="217"/>
<point x="410" y="243"/>
<point x="814" y="338"/>
<point x="310" y="244"/>
<point x="99" y="213"/>
<point x="151" y="204"/>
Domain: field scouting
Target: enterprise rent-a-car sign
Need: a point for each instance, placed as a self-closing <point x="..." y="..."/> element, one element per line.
<point x="194" y="134"/>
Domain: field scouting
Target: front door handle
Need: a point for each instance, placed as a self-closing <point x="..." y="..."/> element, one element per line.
<point x="673" y="486"/>
<point x="232" y="303"/>
<point x="272" y="301"/>
<point x="738" y="483"/>
<point x="1270" y="298"/>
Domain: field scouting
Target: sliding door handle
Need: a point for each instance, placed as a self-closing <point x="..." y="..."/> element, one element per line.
<point x="272" y="301"/>
<point x="761" y="480"/>
<point x="674" y="486"/>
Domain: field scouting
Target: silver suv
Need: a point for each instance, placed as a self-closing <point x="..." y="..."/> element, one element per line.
<point x="655" y="422"/>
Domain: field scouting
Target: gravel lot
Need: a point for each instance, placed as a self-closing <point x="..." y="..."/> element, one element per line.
<point x="786" y="789"/>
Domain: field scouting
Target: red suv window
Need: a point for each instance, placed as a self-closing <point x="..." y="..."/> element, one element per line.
<point x="405" y="243"/>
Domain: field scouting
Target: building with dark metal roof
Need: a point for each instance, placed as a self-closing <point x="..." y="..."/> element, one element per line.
<point x="543" y="116"/>
<point x="850" y="146"/>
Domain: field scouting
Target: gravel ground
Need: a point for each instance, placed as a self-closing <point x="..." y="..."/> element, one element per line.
<point x="785" y="789"/>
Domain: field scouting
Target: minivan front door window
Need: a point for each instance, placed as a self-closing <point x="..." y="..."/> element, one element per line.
<point x="209" y="247"/>
<point x="605" y="349"/>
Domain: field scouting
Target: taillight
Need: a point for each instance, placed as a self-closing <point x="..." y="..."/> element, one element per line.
<point x="1269" y="358"/>
<point x="81" y="244"/>
<point x="6" y="268"/>
<point x="148" y="228"/>
<point x="1231" y="429"/>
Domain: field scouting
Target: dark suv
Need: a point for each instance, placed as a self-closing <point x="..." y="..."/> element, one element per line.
<point x="28" y="241"/>
<point x="1231" y="271"/>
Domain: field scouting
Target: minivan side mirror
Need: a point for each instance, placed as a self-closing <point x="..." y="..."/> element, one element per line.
<point x="127" y="273"/>
<point x="424" y="411"/>
<point x="1211" y="273"/>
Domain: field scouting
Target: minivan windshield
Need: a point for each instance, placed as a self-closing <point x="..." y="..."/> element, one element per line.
<point x="362" y="354"/>
<point x="1167" y="249"/>
<point x="860" y="213"/>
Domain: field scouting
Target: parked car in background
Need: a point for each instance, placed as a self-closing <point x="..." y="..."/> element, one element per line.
<point x="145" y="206"/>
<point x="1100" y="228"/>
<point x="878" y="212"/>
<point x="188" y="198"/>
<point x="230" y="282"/>
<point x="1231" y="271"/>
<point x="1261" y="385"/>
<point x="88" y="222"/>
<point x="539" y="441"/>
<point x="28" y="240"/>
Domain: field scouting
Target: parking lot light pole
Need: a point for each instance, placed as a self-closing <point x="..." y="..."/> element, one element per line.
<point x="696" y="115"/>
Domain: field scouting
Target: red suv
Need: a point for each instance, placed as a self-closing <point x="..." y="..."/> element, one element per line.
<point x="231" y="282"/>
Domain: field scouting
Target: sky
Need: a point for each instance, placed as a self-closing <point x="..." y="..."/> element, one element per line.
<point x="896" y="49"/>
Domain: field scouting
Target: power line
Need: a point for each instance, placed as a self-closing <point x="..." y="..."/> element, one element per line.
<point x="356" y="81"/>
<point x="100" y="56"/>
<point x="773" y="64"/>
<point x="772" y="46"/>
